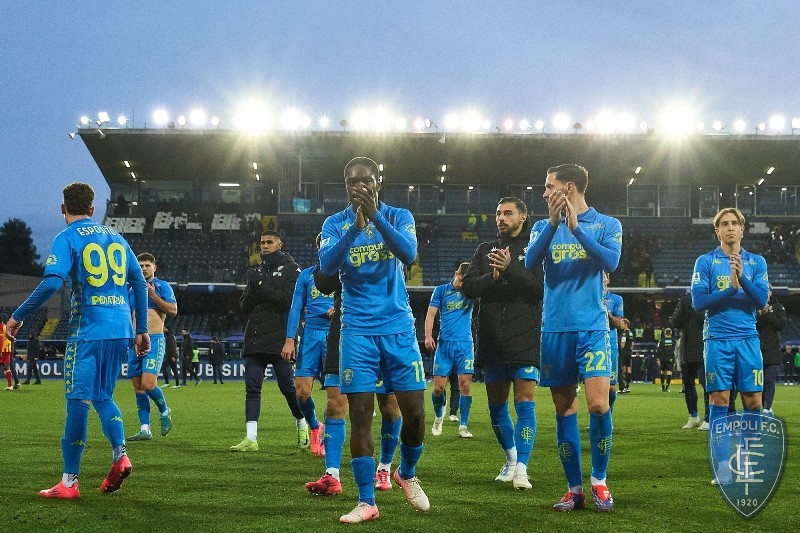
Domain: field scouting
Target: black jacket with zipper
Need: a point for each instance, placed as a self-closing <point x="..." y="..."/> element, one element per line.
<point x="510" y="315"/>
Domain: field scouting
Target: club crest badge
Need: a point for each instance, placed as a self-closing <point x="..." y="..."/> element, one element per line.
<point x="347" y="376"/>
<point x="747" y="453"/>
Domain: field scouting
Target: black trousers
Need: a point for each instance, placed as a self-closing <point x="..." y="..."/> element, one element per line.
<point x="254" y="367"/>
<point x="689" y="371"/>
<point x="168" y="365"/>
<point x="188" y="366"/>
<point x="33" y="369"/>
<point x="770" y="379"/>
<point x="217" y="371"/>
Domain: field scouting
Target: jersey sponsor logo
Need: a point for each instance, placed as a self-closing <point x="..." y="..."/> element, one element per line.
<point x="723" y="282"/>
<point x="108" y="300"/>
<point x="747" y="455"/>
<point x="567" y="251"/>
<point x="455" y="305"/>
<point x="316" y="293"/>
<point x="371" y="253"/>
<point x="52" y="260"/>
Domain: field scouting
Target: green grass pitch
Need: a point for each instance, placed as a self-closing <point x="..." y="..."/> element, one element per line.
<point x="189" y="481"/>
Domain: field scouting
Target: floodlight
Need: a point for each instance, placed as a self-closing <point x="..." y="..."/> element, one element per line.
<point x="431" y="124"/>
<point x="770" y="170"/>
<point x="677" y="120"/>
<point x="127" y="163"/>
<point x="606" y="122"/>
<point x="103" y="116"/>
<point x="181" y="121"/>
<point x="290" y="119"/>
<point x="160" y="117"/>
<point x="630" y="182"/>
<point x="761" y="126"/>
<point x="381" y="120"/>
<point x="561" y="122"/>
<point x="508" y="124"/>
<point x="252" y="117"/>
<point x="197" y="117"/>
<point x="399" y="124"/>
<point x="524" y="125"/>
<point x="760" y="181"/>
<point x="215" y="121"/>
<point x="85" y="120"/>
<point x="419" y="124"/>
<point x="777" y="123"/>
<point x="718" y="126"/>
<point x="643" y="126"/>
<point x="122" y="120"/>
<point x="701" y="126"/>
<point x="444" y="168"/>
<point x="324" y="122"/>
<point x="739" y="125"/>
<point x="539" y="125"/>
<point x="359" y="120"/>
<point x="255" y="165"/>
<point x="471" y="121"/>
<point x="487" y="125"/>
<point x="795" y="124"/>
<point x="638" y="169"/>
<point x="625" y="122"/>
<point x="452" y="121"/>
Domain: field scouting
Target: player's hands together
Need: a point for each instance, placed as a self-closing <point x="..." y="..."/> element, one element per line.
<point x="736" y="270"/>
<point x="570" y="215"/>
<point x="366" y="203"/>
<point x="430" y="343"/>
<point x="142" y="344"/>
<point x="288" y="352"/>
<point x="499" y="260"/>
<point x="12" y="328"/>
<point x="556" y="203"/>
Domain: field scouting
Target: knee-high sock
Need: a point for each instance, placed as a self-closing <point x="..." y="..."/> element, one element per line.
<point x="751" y="429"/>
<point x="390" y="438"/>
<point x="364" y="474"/>
<point x="502" y="425"/>
<point x="568" y="440"/>
<point x="8" y="377"/>
<point x="438" y="404"/>
<point x="719" y="442"/>
<point x="309" y="409"/>
<point x="464" y="405"/>
<point x="76" y="427"/>
<point x="409" y="457"/>
<point x="143" y="406"/>
<point x="335" y="431"/>
<point x="600" y="440"/>
<point x="111" y="420"/>
<point x="525" y="432"/>
<point x="157" y="395"/>
<point x="612" y="398"/>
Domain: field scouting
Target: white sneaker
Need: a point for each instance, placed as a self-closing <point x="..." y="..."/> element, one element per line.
<point x="521" y="480"/>
<point x="360" y="513"/>
<point x="453" y="418"/>
<point x="693" y="422"/>
<point x="464" y="433"/>
<point x="437" y="426"/>
<point x="506" y="473"/>
<point x="416" y="496"/>
<point x="703" y="427"/>
<point x="9" y="388"/>
<point x="767" y="412"/>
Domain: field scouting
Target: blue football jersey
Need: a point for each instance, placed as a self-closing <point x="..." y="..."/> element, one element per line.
<point x="616" y="306"/>
<point x="374" y="296"/>
<point x="309" y="303"/>
<point x="573" y="280"/>
<point x="733" y="317"/>
<point x="99" y="265"/>
<point x="164" y="291"/>
<point x="455" y="312"/>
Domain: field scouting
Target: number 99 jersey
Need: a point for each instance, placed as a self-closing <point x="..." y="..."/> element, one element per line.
<point x="97" y="262"/>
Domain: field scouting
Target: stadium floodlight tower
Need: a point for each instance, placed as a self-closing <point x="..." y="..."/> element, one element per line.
<point x="739" y="125"/>
<point x="777" y="123"/>
<point x="160" y="117"/>
<point x="197" y="117"/>
<point x="562" y="122"/>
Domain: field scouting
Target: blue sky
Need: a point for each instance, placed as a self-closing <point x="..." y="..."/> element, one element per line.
<point x="59" y="60"/>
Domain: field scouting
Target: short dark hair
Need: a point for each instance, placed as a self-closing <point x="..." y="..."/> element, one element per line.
<point x="571" y="172"/>
<point x="78" y="198"/>
<point x="364" y="162"/>
<point x="271" y="233"/>
<point x="516" y="201"/>
<point x="146" y="256"/>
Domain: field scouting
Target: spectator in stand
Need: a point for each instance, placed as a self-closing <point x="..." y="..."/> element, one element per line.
<point x="769" y="322"/>
<point x="34" y="352"/>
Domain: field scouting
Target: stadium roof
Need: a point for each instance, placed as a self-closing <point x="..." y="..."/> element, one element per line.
<point x="227" y="155"/>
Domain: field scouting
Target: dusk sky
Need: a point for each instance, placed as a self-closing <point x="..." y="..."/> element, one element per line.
<point x="725" y="60"/>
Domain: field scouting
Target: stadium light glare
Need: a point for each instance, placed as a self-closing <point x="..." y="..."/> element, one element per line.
<point x="739" y="125"/>
<point x="625" y="122"/>
<point x="419" y="124"/>
<point x="85" y="120"/>
<point x="795" y="124"/>
<point x="605" y="122"/>
<point x="381" y="120"/>
<point x="215" y="121"/>
<point x="444" y="168"/>
<point x="291" y="119"/>
<point x="761" y="126"/>
<point x="487" y="125"/>
<point x="539" y="125"/>
<point x="359" y="120"/>
<point x="102" y="117"/>
<point x="122" y="120"/>
<point x="524" y="125"/>
<point x="718" y="126"/>
<point x="508" y="124"/>
<point x="777" y="123"/>
<point x="181" y="121"/>
<point x="760" y="181"/>
<point x="255" y="165"/>
<point x="630" y="182"/>
<point x="472" y="121"/>
<point x="452" y="121"/>
<point x="127" y="163"/>
<point x="252" y="117"/>
<point x="324" y="122"/>
<point x="441" y="180"/>
<point x="197" y="117"/>
<point x="643" y="126"/>
<point x="677" y="121"/>
<point x="227" y="184"/>
<point x="638" y="170"/>
<point x="562" y="122"/>
<point x="400" y="124"/>
<point x="770" y="170"/>
<point x="701" y="126"/>
<point x="160" y="117"/>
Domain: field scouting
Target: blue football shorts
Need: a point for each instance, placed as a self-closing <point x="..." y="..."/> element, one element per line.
<point x="150" y="363"/>
<point x="568" y="355"/>
<point x="311" y="353"/>
<point x="504" y="372"/>
<point x="450" y="355"/>
<point x="614" y="363"/>
<point x="367" y="359"/>
<point x="91" y="368"/>
<point x="734" y="362"/>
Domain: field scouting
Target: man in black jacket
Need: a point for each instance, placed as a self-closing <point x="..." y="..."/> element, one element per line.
<point x="691" y="322"/>
<point x="769" y="322"/>
<point x="268" y="299"/>
<point x="34" y="352"/>
<point x="187" y="351"/>
<point x="170" y="358"/>
<point x="509" y="324"/>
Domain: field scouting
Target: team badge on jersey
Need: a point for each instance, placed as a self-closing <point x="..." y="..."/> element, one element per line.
<point x="755" y="450"/>
<point x="347" y="376"/>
